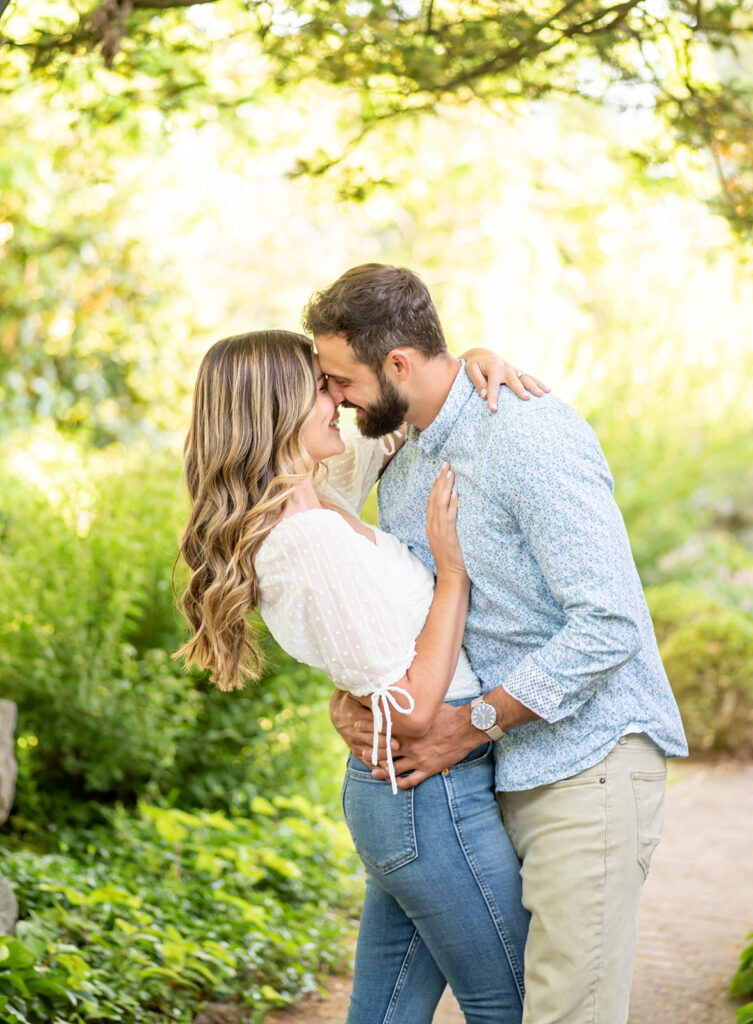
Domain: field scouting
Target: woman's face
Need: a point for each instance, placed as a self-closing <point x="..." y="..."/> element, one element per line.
<point x="321" y="435"/>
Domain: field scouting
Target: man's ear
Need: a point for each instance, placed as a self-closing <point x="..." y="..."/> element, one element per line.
<point x="398" y="365"/>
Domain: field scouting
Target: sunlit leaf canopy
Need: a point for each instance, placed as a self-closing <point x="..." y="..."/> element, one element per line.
<point x="688" y="61"/>
<point x="196" y="176"/>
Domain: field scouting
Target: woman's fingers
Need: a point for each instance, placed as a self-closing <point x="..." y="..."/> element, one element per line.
<point x="487" y="371"/>
<point x="495" y="376"/>
<point x="441" y="520"/>
<point x="513" y="379"/>
<point x="452" y="510"/>
<point x="488" y="377"/>
<point x="438" y="524"/>
<point x="440" y="494"/>
<point x="478" y="377"/>
<point x="533" y="384"/>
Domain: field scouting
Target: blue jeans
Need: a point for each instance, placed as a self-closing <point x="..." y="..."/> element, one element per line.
<point x="443" y="897"/>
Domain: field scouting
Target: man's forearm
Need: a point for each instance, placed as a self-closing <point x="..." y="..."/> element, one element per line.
<point x="510" y="712"/>
<point x="456" y="720"/>
<point x="450" y="738"/>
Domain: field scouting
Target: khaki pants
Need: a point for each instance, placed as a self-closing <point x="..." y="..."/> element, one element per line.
<point x="585" y="844"/>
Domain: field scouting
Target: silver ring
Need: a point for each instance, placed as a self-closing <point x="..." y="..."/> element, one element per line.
<point x="521" y="373"/>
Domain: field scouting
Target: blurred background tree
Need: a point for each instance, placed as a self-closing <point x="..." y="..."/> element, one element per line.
<point x="574" y="184"/>
<point x="684" y="60"/>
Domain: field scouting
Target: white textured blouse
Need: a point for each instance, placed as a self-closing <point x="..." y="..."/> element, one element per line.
<point x="337" y="601"/>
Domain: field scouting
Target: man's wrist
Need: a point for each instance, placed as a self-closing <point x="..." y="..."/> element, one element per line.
<point x="510" y="712"/>
<point x="484" y="718"/>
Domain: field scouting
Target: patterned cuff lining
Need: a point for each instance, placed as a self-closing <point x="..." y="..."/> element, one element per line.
<point x="537" y="690"/>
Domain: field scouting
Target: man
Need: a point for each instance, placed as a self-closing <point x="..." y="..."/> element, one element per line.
<point x="558" y="632"/>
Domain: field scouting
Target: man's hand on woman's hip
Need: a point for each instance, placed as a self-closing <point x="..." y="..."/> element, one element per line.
<point x="355" y="723"/>
<point x="446" y="743"/>
<point x="449" y="739"/>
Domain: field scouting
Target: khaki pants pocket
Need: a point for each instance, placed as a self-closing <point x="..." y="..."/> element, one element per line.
<point x="649" y="789"/>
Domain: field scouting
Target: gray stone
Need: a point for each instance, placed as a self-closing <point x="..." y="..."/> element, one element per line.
<point x="8" y="713"/>
<point x="8" y="908"/>
<point x="8" y="768"/>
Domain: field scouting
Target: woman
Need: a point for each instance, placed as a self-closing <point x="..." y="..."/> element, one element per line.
<point x="271" y="527"/>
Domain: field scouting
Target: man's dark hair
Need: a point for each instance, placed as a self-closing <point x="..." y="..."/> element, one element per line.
<point x="377" y="307"/>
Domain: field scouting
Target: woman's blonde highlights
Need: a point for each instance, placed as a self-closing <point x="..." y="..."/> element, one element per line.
<point x="243" y="455"/>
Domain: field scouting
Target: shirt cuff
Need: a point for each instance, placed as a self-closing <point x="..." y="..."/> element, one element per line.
<point x="539" y="691"/>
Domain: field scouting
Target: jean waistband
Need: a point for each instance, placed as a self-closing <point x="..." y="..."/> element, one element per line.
<point x="476" y="755"/>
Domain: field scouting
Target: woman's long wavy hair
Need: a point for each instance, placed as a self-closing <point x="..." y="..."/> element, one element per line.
<point x="243" y="455"/>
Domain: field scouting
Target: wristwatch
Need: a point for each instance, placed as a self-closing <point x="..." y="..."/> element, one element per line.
<point x="484" y="717"/>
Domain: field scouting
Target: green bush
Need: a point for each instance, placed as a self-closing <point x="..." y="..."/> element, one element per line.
<point x="140" y="920"/>
<point x="706" y="644"/>
<point x="81" y="572"/>
<point x="742" y="982"/>
<point x="87" y="625"/>
<point x="679" y="480"/>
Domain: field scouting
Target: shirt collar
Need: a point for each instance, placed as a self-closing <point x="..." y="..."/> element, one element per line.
<point x="434" y="436"/>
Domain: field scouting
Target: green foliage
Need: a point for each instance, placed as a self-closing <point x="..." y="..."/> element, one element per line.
<point x="83" y="303"/>
<point x="30" y="989"/>
<point x="742" y="982"/>
<point x="85" y="606"/>
<point x="686" y="61"/>
<point x="161" y="908"/>
<point x="142" y="918"/>
<point x="745" y="1014"/>
<point x="683" y="520"/>
<point x="706" y="644"/>
<point x="88" y="624"/>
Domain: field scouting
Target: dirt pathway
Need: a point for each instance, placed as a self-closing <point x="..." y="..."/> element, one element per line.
<point x="697" y="908"/>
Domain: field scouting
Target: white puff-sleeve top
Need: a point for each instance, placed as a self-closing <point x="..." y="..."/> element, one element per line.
<point x="337" y="601"/>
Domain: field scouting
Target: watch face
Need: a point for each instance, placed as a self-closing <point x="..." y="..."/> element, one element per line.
<point x="483" y="716"/>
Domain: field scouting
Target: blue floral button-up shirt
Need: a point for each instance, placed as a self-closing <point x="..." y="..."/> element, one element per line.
<point x="557" y="614"/>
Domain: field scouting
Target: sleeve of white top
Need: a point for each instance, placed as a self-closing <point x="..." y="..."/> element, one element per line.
<point x="353" y="473"/>
<point x="343" y="592"/>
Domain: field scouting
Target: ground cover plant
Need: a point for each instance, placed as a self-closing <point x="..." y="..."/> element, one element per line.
<point x="169" y="842"/>
<point x="139" y="918"/>
<point x="742" y="983"/>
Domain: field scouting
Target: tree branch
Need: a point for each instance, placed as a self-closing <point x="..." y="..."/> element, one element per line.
<point x="163" y="5"/>
<point x="532" y="46"/>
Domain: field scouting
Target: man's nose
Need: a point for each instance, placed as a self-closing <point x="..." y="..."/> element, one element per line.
<point x="336" y="394"/>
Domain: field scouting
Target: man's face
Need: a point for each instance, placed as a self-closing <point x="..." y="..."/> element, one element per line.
<point x="380" y="408"/>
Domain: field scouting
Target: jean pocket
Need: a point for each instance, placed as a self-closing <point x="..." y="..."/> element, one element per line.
<point x="649" y="789"/>
<point x="380" y="821"/>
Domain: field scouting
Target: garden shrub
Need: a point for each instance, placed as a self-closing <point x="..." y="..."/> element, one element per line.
<point x="105" y="710"/>
<point x="140" y="920"/>
<point x="173" y="901"/>
<point x="665" y="486"/>
<point x="87" y="626"/>
<point x="742" y="982"/>
<point x="706" y="644"/>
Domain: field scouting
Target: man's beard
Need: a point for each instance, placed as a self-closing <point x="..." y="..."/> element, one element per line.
<point x="386" y="414"/>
